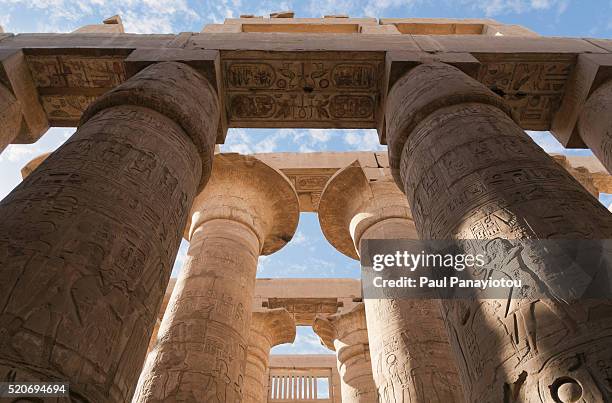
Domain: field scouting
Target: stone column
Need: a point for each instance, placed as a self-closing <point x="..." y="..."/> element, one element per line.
<point x="346" y="333"/>
<point x="411" y="355"/>
<point x="595" y="123"/>
<point x="247" y="209"/>
<point x="88" y="239"/>
<point x="470" y="172"/>
<point x="269" y="328"/>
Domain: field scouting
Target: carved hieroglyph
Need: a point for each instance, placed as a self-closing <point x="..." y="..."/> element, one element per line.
<point x="248" y="208"/>
<point x="269" y="328"/>
<point x="346" y="334"/>
<point x="88" y="239"/>
<point x="532" y="88"/>
<point x="411" y="355"/>
<point x="309" y="90"/>
<point x="470" y="172"/>
<point x="67" y="84"/>
<point x="595" y="124"/>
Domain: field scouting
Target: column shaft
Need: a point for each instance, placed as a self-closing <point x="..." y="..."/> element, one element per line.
<point x="258" y="364"/>
<point x="470" y="171"/>
<point x="595" y="124"/>
<point x="88" y="239"/>
<point x="411" y="356"/>
<point x="412" y="359"/>
<point x="200" y="355"/>
<point x="247" y="208"/>
<point x="269" y="327"/>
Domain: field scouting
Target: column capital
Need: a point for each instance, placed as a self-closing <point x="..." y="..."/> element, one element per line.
<point x="351" y="203"/>
<point x="277" y="325"/>
<point x="423" y="90"/>
<point x="178" y="92"/>
<point x="242" y="188"/>
<point x="344" y="328"/>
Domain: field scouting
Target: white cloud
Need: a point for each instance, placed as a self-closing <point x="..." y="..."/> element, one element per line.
<point x="20" y="153"/>
<point x="363" y="140"/>
<point x="299" y="238"/>
<point x="4" y="20"/>
<point x="139" y="16"/>
<point x="266" y="140"/>
<point x="497" y="7"/>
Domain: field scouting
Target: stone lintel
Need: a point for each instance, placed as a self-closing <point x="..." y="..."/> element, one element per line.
<point x="303" y="361"/>
<point x="452" y="26"/>
<point x="206" y="62"/>
<point x="16" y="76"/>
<point x="590" y="71"/>
<point x="70" y="70"/>
<point x="306" y="298"/>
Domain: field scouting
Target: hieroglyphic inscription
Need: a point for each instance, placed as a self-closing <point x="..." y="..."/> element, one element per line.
<point x="106" y="243"/>
<point x="71" y="71"/>
<point x="65" y="109"/>
<point x="317" y="92"/>
<point x="309" y="185"/>
<point x="504" y="187"/>
<point x="304" y="310"/>
<point x="533" y="89"/>
<point x="69" y="83"/>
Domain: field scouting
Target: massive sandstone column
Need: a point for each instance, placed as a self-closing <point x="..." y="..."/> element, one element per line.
<point x="247" y="209"/>
<point x="411" y="355"/>
<point x="346" y="333"/>
<point x="470" y="172"/>
<point x="87" y="240"/>
<point x="269" y="328"/>
<point x="595" y="123"/>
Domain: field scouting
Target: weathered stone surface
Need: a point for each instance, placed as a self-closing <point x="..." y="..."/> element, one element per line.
<point x="10" y="117"/>
<point x="302" y="89"/>
<point x="247" y="209"/>
<point x="194" y="105"/>
<point x="411" y="355"/>
<point x="589" y="71"/>
<point x="500" y="185"/>
<point x="269" y="328"/>
<point x="23" y="119"/>
<point x="305" y="298"/>
<point x="595" y="124"/>
<point x="88" y="239"/>
<point x="528" y="70"/>
<point x="346" y="333"/>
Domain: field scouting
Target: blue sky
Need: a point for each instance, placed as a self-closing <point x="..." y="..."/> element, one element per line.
<point x="308" y="254"/>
